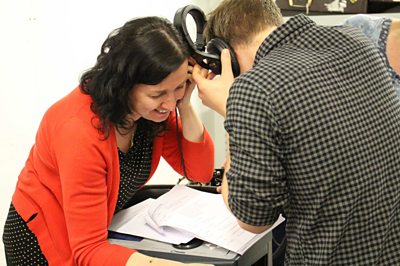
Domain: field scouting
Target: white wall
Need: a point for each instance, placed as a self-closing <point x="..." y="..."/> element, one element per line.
<point x="44" y="47"/>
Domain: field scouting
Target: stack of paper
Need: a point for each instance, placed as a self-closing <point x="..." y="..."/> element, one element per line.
<point x="182" y="214"/>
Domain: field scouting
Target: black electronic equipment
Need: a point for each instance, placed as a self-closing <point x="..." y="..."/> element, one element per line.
<point x="216" y="179"/>
<point x="206" y="55"/>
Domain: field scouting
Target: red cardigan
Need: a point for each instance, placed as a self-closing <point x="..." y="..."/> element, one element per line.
<point x="71" y="180"/>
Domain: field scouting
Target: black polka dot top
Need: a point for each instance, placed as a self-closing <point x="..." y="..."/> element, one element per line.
<point x="134" y="167"/>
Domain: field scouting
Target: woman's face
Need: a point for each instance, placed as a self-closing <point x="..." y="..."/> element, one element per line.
<point x="155" y="102"/>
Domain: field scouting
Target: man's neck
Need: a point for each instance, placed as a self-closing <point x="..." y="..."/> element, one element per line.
<point x="246" y="53"/>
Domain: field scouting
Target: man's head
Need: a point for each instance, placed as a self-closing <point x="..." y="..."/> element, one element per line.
<point x="238" y="21"/>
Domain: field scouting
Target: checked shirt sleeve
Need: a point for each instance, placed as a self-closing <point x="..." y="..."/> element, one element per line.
<point x="256" y="178"/>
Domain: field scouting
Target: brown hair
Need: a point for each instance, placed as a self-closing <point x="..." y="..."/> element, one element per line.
<point x="237" y="21"/>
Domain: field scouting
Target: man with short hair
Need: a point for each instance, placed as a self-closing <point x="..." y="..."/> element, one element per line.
<point x="314" y="133"/>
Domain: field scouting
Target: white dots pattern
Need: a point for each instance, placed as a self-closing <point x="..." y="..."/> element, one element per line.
<point x="134" y="167"/>
<point x="20" y="244"/>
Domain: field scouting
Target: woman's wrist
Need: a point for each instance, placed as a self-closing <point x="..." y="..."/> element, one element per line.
<point x="182" y="106"/>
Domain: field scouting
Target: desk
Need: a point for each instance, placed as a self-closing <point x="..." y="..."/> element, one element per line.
<point x="260" y="254"/>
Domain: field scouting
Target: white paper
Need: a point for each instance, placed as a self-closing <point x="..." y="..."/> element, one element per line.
<point x="205" y="215"/>
<point x="184" y="213"/>
<point x="132" y="221"/>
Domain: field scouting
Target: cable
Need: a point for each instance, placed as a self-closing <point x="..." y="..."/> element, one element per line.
<point x="180" y="147"/>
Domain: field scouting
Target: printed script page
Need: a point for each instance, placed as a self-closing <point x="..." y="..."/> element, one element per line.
<point x="204" y="215"/>
<point x="132" y="221"/>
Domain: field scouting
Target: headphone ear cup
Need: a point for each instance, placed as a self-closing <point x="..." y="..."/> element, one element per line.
<point x="216" y="45"/>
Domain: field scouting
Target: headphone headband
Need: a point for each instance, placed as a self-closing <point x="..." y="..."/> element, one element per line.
<point x="200" y="20"/>
<point x="208" y="56"/>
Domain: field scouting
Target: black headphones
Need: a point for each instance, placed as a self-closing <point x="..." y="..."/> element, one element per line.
<point x="208" y="56"/>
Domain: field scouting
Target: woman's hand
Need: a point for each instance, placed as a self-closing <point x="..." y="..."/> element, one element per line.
<point x="139" y="259"/>
<point x="190" y="84"/>
<point x="192" y="126"/>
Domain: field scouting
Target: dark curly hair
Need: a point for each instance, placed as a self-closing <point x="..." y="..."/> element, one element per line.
<point x="144" y="50"/>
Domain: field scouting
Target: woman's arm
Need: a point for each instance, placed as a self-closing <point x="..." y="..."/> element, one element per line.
<point x="192" y="127"/>
<point x="189" y="140"/>
<point x="393" y="45"/>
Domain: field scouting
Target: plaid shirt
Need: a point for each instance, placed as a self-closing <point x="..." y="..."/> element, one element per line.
<point x="314" y="132"/>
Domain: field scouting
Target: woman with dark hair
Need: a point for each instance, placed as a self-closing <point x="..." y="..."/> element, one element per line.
<point x="101" y="143"/>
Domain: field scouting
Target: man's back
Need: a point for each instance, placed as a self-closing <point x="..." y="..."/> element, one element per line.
<point x="322" y="144"/>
